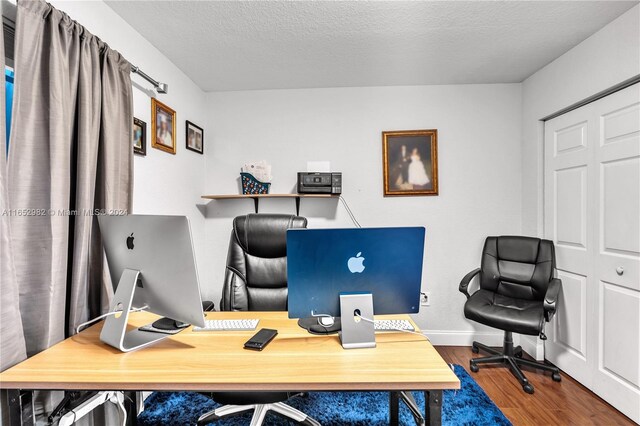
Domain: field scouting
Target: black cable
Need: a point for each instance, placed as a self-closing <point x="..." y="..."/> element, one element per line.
<point x="353" y="216"/>
<point x="326" y="329"/>
<point x="129" y="398"/>
<point x="349" y="212"/>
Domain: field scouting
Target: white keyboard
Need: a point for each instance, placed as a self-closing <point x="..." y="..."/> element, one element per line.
<point x="228" y="325"/>
<point x="391" y="325"/>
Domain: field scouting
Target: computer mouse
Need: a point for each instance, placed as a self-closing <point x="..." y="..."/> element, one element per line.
<point x="326" y="321"/>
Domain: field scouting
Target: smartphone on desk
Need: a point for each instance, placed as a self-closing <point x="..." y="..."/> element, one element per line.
<point x="260" y="339"/>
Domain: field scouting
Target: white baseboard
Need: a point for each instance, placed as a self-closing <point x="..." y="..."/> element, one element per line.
<point x="530" y="344"/>
<point x="463" y="338"/>
<point x="533" y="346"/>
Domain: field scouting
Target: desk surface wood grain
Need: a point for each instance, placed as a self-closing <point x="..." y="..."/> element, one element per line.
<point x="190" y="360"/>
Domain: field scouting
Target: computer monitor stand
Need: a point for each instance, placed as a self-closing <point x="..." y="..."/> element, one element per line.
<point x="114" y="332"/>
<point x="356" y="332"/>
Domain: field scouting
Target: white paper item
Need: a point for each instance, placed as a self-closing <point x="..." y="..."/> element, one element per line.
<point x="261" y="170"/>
<point x="318" y="166"/>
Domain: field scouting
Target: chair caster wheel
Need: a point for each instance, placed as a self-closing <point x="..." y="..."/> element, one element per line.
<point x="474" y="367"/>
<point x="556" y="377"/>
<point x="518" y="355"/>
<point x="475" y="350"/>
<point x="528" y="388"/>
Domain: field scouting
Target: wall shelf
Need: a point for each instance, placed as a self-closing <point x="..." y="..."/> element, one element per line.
<point x="256" y="198"/>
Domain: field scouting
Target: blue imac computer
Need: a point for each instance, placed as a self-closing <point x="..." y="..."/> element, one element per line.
<point x="354" y="274"/>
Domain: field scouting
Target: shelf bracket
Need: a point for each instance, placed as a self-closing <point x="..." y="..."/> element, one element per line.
<point x="256" y="203"/>
<point x="297" y="206"/>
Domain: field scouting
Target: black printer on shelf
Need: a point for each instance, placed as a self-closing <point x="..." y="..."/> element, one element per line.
<point x="320" y="183"/>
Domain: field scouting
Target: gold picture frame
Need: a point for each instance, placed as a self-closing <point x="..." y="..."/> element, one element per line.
<point x="410" y="162"/>
<point x="163" y="127"/>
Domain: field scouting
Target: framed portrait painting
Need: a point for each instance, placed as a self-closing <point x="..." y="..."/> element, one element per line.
<point x="163" y="127"/>
<point x="139" y="136"/>
<point x="195" y="138"/>
<point x="410" y="162"/>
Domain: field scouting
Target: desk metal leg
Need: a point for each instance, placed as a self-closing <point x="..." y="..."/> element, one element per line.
<point x="394" y="408"/>
<point x="21" y="412"/>
<point x="433" y="407"/>
<point x="407" y="398"/>
<point x="131" y="407"/>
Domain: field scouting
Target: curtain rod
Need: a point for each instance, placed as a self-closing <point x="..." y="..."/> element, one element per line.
<point x="160" y="87"/>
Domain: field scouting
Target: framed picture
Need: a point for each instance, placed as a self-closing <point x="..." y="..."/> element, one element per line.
<point x="139" y="136"/>
<point x="195" y="138"/>
<point x="410" y="162"/>
<point x="163" y="127"/>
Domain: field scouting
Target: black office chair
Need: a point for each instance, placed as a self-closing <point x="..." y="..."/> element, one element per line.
<point x="517" y="294"/>
<point x="256" y="280"/>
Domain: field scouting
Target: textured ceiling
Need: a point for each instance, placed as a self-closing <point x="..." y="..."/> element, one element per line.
<point x="234" y="45"/>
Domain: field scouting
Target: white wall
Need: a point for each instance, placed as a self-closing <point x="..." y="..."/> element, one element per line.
<point x="163" y="183"/>
<point x="608" y="57"/>
<point x="479" y="171"/>
<point x="490" y="183"/>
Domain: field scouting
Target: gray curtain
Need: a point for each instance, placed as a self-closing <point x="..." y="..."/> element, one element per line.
<point x="70" y="155"/>
<point x="12" y="345"/>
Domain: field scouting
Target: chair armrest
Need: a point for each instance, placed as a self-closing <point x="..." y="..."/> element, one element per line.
<point x="466" y="280"/>
<point x="551" y="297"/>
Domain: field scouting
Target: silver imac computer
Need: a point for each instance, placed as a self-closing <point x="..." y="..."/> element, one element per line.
<point x="354" y="274"/>
<point x="152" y="264"/>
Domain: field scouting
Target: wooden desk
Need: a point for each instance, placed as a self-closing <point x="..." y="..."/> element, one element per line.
<point x="210" y="361"/>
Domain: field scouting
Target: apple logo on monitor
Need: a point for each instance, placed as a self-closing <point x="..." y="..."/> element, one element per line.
<point x="355" y="264"/>
<point x="130" y="242"/>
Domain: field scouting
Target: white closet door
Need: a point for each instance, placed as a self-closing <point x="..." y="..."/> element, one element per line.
<point x="617" y="169"/>
<point x="569" y="212"/>
<point x="592" y="213"/>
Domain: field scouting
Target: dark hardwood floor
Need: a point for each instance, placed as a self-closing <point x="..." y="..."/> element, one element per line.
<point x="553" y="403"/>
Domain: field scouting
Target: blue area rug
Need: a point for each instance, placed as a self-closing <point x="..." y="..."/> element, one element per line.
<point x="468" y="406"/>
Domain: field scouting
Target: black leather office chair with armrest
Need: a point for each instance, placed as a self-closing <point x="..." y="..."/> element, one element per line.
<point x="256" y="280"/>
<point x="517" y="294"/>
